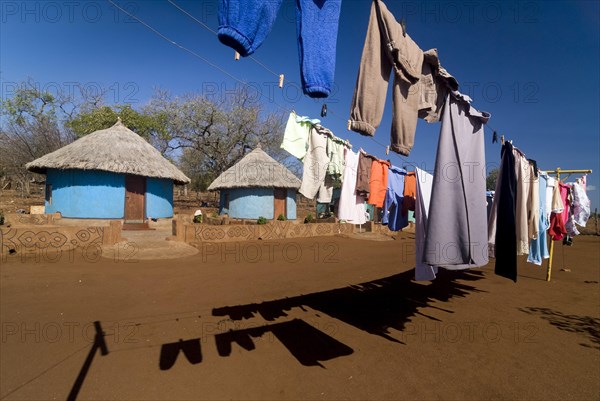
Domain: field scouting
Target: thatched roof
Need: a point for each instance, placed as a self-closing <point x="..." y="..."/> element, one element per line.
<point x="116" y="149"/>
<point x="256" y="170"/>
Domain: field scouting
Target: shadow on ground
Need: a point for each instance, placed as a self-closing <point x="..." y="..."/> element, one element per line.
<point x="587" y="326"/>
<point x="306" y="343"/>
<point x="374" y="306"/>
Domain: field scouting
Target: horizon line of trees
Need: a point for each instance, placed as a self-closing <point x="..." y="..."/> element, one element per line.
<point x="201" y="136"/>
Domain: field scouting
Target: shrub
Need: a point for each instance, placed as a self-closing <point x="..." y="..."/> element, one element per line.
<point x="198" y="219"/>
<point x="261" y="220"/>
<point x="281" y="217"/>
<point x="308" y="218"/>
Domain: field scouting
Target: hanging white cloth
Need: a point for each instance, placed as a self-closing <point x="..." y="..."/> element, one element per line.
<point x="314" y="174"/>
<point x="423" y="271"/>
<point x="581" y="203"/>
<point x="351" y="207"/>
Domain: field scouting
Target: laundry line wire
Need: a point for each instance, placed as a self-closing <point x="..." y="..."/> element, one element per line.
<point x="193" y="53"/>
<point x="404" y="160"/>
<point x="208" y="28"/>
<point x="175" y="316"/>
<point x="225" y="72"/>
<point x="104" y="333"/>
<point x="266" y="68"/>
<point x="42" y="373"/>
<point x="214" y="65"/>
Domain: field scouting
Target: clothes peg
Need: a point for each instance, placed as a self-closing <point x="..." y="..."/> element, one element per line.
<point x="387" y="150"/>
<point x="495" y="137"/>
<point x="403" y="25"/>
<point x="349" y="124"/>
<point x="502" y="139"/>
<point x="236" y="56"/>
<point x="324" y="110"/>
<point x="281" y="80"/>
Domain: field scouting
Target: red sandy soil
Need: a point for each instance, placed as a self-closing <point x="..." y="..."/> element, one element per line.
<point x="322" y="318"/>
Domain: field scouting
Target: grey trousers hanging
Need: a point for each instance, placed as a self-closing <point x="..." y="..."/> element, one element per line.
<point x="457" y="227"/>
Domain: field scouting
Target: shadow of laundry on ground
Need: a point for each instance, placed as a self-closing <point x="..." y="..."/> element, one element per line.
<point x="374" y="306"/>
<point x="169" y="352"/>
<point x="586" y="325"/>
<point x="306" y="343"/>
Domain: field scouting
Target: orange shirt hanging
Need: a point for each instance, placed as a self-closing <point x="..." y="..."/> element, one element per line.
<point x="410" y="193"/>
<point x="378" y="182"/>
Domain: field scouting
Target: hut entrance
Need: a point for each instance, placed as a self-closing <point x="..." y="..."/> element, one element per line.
<point x="135" y="198"/>
<point x="279" y="202"/>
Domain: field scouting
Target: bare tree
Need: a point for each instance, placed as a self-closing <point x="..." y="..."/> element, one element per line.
<point x="31" y="126"/>
<point x="211" y="136"/>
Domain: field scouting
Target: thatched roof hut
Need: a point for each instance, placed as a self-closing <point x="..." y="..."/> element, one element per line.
<point x="116" y="149"/>
<point x="256" y="170"/>
<point x="257" y="186"/>
<point x="110" y="173"/>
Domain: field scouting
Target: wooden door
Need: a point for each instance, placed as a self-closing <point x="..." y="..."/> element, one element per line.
<point x="279" y="202"/>
<point x="135" y="198"/>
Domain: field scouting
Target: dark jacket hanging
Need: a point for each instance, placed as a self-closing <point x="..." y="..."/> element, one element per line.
<point x="506" y="231"/>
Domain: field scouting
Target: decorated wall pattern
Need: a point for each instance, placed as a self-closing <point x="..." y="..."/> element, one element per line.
<point x="58" y="239"/>
<point x="274" y="230"/>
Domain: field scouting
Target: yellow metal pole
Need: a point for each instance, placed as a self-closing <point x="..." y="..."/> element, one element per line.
<point x="549" y="271"/>
<point x="557" y="172"/>
<point x="568" y="171"/>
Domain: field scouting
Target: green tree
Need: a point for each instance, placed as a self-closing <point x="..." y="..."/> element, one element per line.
<point x="490" y="181"/>
<point x="144" y="124"/>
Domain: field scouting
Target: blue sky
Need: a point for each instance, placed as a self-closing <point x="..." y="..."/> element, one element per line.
<point x="534" y="65"/>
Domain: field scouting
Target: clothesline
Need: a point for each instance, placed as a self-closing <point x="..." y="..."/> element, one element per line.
<point x="432" y="115"/>
<point x="529" y="207"/>
<point x="406" y="161"/>
<point x="367" y="179"/>
<point x="272" y="72"/>
<point x="558" y="171"/>
<point x="258" y="62"/>
<point x="386" y="147"/>
<point x="329" y="133"/>
<point x="214" y="65"/>
<point x="365" y="115"/>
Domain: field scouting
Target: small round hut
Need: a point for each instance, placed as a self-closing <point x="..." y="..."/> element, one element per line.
<point x="257" y="186"/>
<point x="109" y="174"/>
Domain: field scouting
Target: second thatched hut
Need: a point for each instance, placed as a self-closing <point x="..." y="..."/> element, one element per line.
<point x="257" y="186"/>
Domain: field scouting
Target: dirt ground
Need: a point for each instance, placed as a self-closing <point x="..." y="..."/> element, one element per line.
<point x="323" y="318"/>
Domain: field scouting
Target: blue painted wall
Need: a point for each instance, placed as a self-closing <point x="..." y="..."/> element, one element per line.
<point x="159" y="198"/>
<point x="101" y="195"/>
<point x="86" y="194"/>
<point x="251" y="203"/>
<point x="291" y="205"/>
